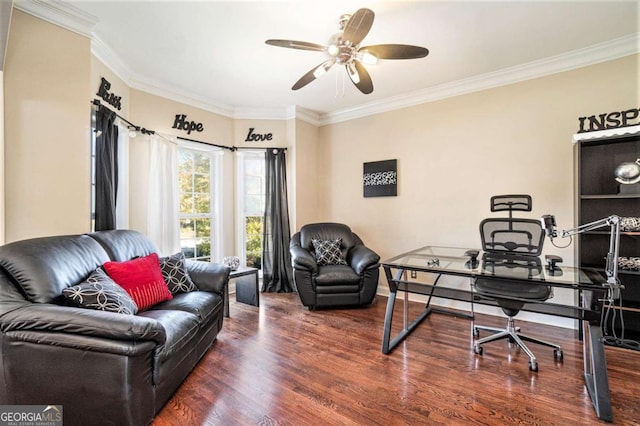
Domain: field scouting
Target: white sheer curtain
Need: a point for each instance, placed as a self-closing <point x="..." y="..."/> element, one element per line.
<point x="122" y="202"/>
<point x="162" y="210"/>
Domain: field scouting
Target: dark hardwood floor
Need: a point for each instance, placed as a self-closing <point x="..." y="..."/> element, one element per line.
<point x="281" y="364"/>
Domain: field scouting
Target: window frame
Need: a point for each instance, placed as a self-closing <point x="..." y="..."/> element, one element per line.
<point x="241" y="236"/>
<point x="215" y="197"/>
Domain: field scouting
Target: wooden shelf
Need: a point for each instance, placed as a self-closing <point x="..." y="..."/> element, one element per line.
<point x="596" y="197"/>
<point x="608" y="196"/>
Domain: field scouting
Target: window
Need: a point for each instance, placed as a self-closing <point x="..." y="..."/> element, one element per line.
<point x="197" y="182"/>
<point x="251" y="199"/>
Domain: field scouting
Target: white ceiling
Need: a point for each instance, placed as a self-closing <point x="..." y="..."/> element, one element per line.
<point x="213" y="52"/>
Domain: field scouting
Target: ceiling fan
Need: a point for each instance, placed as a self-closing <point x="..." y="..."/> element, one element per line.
<point x="344" y="49"/>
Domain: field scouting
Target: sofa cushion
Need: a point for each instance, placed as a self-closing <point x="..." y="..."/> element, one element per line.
<point x="102" y="293"/>
<point x="180" y="328"/>
<point x="43" y="267"/>
<point x="328" y="252"/>
<point x="142" y="279"/>
<point x="124" y="244"/>
<point x="175" y="274"/>
<point x="336" y="275"/>
<point x="200" y="303"/>
<point x="327" y="231"/>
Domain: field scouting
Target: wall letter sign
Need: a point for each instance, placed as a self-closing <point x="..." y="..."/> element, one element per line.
<point x="257" y="137"/>
<point x="611" y="120"/>
<point x="109" y="98"/>
<point x="182" y="123"/>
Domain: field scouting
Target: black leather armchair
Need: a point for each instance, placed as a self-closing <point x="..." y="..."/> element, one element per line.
<point x="324" y="285"/>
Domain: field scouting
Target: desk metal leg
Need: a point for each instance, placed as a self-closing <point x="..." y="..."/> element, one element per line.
<point x="387" y="343"/>
<point x="595" y="370"/>
<point x="226" y="299"/>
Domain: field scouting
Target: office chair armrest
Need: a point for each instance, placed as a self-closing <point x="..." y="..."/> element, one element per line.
<point x="551" y="260"/>
<point x="303" y="259"/>
<point x="361" y="258"/>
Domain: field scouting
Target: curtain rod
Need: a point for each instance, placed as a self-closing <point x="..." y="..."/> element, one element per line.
<point x="259" y="148"/>
<point x="230" y="148"/>
<point x="142" y="130"/>
<point x="97" y="102"/>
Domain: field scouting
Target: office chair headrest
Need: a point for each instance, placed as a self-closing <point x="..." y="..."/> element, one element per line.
<point x="521" y="202"/>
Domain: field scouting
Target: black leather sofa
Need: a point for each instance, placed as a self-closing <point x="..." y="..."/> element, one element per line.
<point x="102" y="367"/>
<point x="351" y="284"/>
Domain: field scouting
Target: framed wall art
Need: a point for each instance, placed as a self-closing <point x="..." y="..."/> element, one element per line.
<point x="380" y="178"/>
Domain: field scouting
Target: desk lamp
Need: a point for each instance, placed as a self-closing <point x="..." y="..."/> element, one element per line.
<point x="548" y="223"/>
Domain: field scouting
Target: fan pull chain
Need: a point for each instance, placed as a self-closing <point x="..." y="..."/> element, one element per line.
<point x="338" y="93"/>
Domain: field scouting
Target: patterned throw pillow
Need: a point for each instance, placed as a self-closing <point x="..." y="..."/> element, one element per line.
<point x="175" y="274"/>
<point x="142" y="279"/>
<point x="102" y="293"/>
<point x="328" y="252"/>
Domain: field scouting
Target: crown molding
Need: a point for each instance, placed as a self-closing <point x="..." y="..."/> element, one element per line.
<point x="306" y="115"/>
<point x="104" y="53"/>
<point x="68" y="16"/>
<point x="59" y="13"/>
<point x="602" y="52"/>
<point x="256" y="113"/>
<point x="165" y="91"/>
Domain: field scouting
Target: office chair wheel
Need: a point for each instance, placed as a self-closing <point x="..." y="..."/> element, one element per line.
<point x="557" y="354"/>
<point x="533" y="366"/>
<point x="477" y="349"/>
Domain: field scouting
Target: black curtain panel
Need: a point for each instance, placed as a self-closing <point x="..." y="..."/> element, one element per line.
<point x="277" y="274"/>
<point x="106" y="169"/>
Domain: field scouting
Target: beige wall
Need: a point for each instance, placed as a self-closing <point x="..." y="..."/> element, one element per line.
<point x="454" y="154"/>
<point x="307" y="199"/>
<point x="47" y="125"/>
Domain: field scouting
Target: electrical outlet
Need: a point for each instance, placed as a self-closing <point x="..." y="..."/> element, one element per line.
<point x="414" y="274"/>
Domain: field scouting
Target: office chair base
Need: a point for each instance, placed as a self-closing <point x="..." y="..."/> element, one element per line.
<point x="512" y="333"/>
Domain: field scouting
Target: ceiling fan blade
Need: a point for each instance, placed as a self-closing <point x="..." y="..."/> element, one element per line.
<point x="360" y="77"/>
<point x="313" y="74"/>
<point x="395" y="51"/>
<point x="358" y="26"/>
<point x="293" y="44"/>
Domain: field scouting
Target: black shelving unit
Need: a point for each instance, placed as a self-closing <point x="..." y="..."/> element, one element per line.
<point x="599" y="195"/>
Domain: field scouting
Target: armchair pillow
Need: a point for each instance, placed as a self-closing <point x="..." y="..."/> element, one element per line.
<point x="175" y="274"/>
<point x="142" y="279"/>
<point x="102" y="293"/>
<point x="328" y="252"/>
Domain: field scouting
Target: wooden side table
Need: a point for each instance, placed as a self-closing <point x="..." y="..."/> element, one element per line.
<point x="247" y="287"/>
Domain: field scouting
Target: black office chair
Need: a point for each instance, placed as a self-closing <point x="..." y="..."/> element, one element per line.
<point x="515" y="244"/>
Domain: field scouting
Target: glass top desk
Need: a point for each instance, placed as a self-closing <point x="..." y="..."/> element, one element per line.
<point x="587" y="283"/>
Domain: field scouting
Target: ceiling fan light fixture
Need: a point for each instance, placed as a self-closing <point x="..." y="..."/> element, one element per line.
<point x="367" y="58"/>
<point x="344" y="49"/>
<point x="353" y="73"/>
<point x="322" y="69"/>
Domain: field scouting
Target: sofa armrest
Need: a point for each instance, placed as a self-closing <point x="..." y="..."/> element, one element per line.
<point x="207" y="276"/>
<point x="302" y="259"/>
<point x="87" y="322"/>
<point x="361" y="258"/>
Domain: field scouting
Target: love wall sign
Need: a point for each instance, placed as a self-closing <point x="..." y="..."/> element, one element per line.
<point x="258" y="137"/>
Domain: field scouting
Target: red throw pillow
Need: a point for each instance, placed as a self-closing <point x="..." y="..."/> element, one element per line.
<point x="142" y="279"/>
